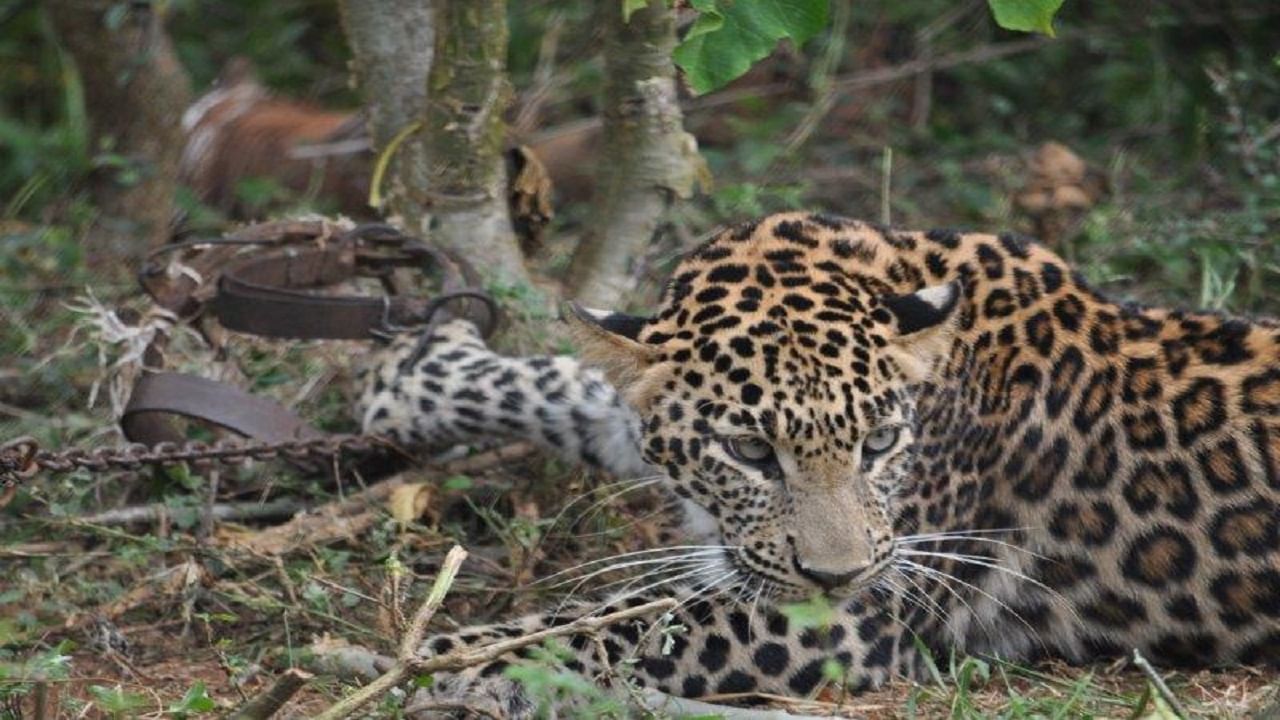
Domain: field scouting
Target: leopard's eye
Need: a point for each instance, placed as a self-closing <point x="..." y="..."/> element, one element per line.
<point x="751" y="451"/>
<point x="879" y="442"/>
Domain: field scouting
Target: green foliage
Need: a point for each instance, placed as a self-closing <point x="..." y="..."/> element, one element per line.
<point x="550" y="684"/>
<point x="816" y="612"/>
<point x="630" y="6"/>
<point x="729" y="36"/>
<point x="17" y="679"/>
<point x="43" y="127"/>
<point x="294" y="45"/>
<point x="1025" y="15"/>
<point x="195" y="701"/>
<point x="117" y="702"/>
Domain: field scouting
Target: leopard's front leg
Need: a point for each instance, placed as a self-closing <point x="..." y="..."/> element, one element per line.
<point x="701" y="648"/>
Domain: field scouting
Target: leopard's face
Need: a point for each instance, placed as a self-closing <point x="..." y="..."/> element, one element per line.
<point x="803" y="489"/>
<point x="779" y="397"/>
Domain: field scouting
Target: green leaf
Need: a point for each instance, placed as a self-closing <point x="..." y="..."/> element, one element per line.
<point x="116" y="702"/>
<point x="457" y="483"/>
<point x="731" y="35"/>
<point x="709" y="20"/>
<point x="630" y="6"/>
<point x="1025" y="15"/>
<point x="832" y="670"/>
<point x="196" y="700"/>
<point x="816" y="612"/>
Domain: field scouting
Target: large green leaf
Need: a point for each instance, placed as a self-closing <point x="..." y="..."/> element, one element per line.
<point x="630" y="6"/>
<point x="730" y="35"/>
<point x="1025" y="15"/>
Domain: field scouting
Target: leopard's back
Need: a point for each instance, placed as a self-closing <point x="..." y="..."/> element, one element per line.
<point x="1136" y="450"/>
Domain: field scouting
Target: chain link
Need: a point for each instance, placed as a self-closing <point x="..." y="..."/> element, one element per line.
<point x="22" y="458"/>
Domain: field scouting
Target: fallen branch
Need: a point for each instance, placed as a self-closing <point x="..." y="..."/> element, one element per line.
<point x="469" y="657"/>
<point x="682" y="707"/>
<point x="1159" y="684"/>
<point x="350" y="660"/>
<point x="408" y="646"/>
<point x="359" y="663"/>
<point x="268" y="703"/>
<point x="290" y="507"/>
<point x="489" y="458"/>
<point x="158" y="512"/>
<point x="349" y="518"/>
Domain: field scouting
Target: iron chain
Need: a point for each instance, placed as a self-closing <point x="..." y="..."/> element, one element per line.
<point x="23" y="458"/>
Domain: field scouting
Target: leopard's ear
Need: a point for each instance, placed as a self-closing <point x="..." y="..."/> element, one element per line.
<point x="610" y="341"/>
<point x="926" y="325"/>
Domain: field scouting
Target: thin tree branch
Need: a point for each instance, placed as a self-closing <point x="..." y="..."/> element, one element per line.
<point x="469" y="657"/>
<point x="879" y="76"/>
<point x="1160" y="685"/>
<point x="408" y="646"/>
<point x="269" y="703"/>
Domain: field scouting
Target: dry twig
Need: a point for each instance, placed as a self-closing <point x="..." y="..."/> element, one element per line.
<point x="681" y="707"/>
<point x="268" y="703"/>
<point x="408" y="646"/>
<point x="1159" y="684"/>
<point x="409" y="662"/>
<point x="158" y="512"/>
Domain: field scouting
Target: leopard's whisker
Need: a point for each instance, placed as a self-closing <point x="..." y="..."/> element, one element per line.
<point x="755" y="601"/>
<point x="973" y="531"/>
<point x="695" y="556"/>
<point x="922" y="539"/>
<point x="987" y="562"/>
<point x="704" y="588"/>
<point x="670" y="566"/>
<point x="665" y="581"/>
<point x="944" y="580"/>
<point x="635" y="553"/>
<point x="936" y="573"/>
<point x="594" y="508"/>
<point x="629" y="483"/>
<point x="892" y="589"/>
<point x="725" y="584"/>
<point x="679" y="574"/>
<point x="700" y="588"/>
<point x="922" y="596"/>
<point x="664" y="510"/>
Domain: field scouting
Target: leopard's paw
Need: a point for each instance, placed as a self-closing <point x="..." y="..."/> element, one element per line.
<point x="457" y="696"/>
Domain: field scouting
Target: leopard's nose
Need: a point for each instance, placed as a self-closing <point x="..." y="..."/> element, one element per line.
<point x="828" y="580"/>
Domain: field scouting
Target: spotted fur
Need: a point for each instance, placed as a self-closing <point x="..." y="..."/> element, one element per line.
<point x="954" y="438"/>
<point x="447" y="388"/>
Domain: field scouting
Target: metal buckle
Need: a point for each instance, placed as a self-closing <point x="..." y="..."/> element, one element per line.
<point x="387" y="330"/>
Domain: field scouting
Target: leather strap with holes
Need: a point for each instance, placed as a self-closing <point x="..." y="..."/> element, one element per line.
<point x="275" y="294"/>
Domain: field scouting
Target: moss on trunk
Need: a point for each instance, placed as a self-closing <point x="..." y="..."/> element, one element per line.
<point x="647" y="161"/>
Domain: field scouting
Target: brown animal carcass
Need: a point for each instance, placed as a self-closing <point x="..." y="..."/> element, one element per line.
<point x="238" y="131"/>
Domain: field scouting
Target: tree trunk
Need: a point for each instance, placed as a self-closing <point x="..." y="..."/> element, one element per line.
<point x="466" y="136"/>
<point x="136" y="92"/>
<point x="392" y="42"/>
<point x="433" y="73"/>
<point x="647" y="161"/>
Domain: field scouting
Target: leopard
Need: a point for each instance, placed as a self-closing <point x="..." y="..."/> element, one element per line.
<point x="950" y="438"/>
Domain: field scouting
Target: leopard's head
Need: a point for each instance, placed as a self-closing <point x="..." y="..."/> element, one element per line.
<point x="776" y="387"/>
